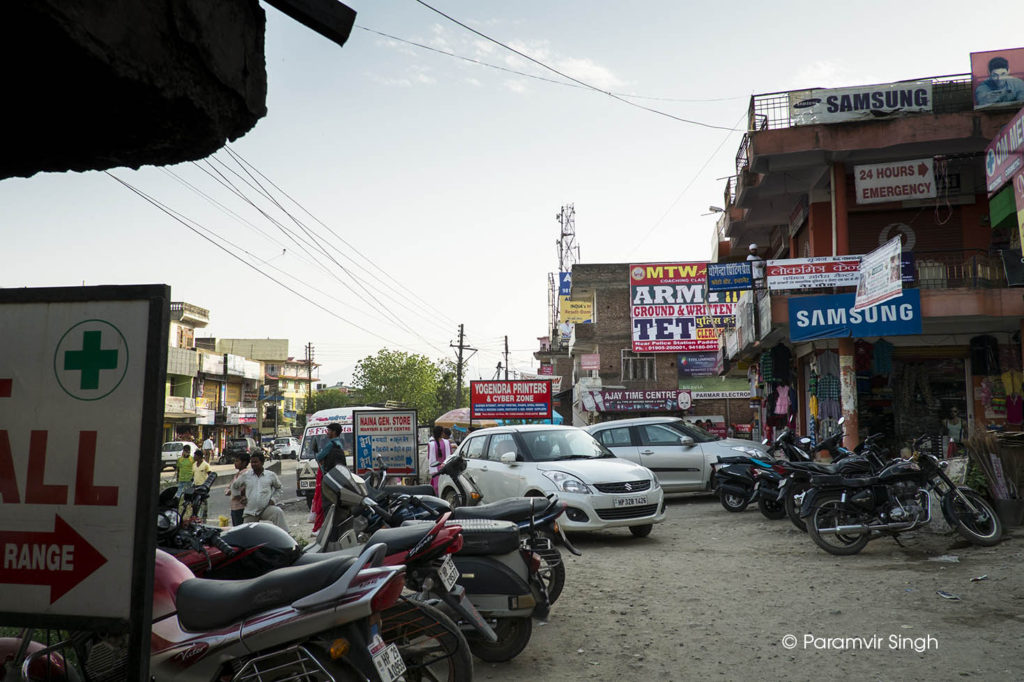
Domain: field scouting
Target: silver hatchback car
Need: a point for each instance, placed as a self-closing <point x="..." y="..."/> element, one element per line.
<point x="680" y="455"/>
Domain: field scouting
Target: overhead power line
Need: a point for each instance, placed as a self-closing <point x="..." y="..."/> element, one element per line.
<point x="567" y="76"/>
<point x="534" y="76"/>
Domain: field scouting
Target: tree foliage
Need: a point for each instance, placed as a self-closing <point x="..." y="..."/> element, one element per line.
<point x="406" y="378"/>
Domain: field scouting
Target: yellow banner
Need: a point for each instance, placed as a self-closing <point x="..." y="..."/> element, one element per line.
<point x="575" y="312"/>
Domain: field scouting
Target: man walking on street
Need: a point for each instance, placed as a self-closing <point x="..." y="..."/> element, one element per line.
<point x="208" y="448"/>
<point x="200" y="470"/>
<point x="260" y="486"/>
<point x="184" y="467"/>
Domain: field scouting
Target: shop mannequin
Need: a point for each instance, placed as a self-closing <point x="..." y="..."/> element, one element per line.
<point x="955" y="429"/>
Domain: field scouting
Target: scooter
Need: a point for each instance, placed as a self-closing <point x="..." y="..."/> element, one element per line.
<point x="491" y="566"/>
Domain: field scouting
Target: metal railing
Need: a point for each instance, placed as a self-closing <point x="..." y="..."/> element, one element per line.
<point x="770" y="111"/>
<point x="957" y="269"/>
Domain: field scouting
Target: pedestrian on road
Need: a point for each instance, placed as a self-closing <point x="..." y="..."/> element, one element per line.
<point x="238" y="501"/>
<point x="200" y="470"/>
<point x="438" y="450"/>
<point x="184" y="477"/>
<point x="448" y="437"/>
<point x="332" y="453"/>
<point x="260" y="486"/>
<point x="208" y="448"/>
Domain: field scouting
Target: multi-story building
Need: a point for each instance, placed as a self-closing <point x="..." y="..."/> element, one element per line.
<point x="824" y="174"/>
<point x="180" y="408"/>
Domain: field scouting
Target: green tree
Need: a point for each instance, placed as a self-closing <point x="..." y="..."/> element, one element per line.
<point x="403" y="377"/>
<point x="447" y="390"/>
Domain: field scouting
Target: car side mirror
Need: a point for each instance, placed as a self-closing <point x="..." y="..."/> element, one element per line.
<point x="508" y="458"/>
<point x="687" y="441"/>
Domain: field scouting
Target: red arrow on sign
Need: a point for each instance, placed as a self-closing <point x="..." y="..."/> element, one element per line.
<point x="60" y="559"/>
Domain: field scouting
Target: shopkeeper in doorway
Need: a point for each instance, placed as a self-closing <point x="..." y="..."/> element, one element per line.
<point x="956" y="430"/>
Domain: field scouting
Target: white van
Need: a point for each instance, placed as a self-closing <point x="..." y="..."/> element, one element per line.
<point x="313" y="439"/>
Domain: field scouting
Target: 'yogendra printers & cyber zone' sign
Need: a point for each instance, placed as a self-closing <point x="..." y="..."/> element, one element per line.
<point x="671" y="311"/>
<point x="513" y="399"/>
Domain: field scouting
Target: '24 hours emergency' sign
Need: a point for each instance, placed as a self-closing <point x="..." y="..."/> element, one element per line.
<point x="81" y="406"/>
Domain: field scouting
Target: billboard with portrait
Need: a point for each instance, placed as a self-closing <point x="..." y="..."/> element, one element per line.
<point x="997" y="78"/>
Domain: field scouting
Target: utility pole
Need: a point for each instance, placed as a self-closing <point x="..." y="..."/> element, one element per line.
<point x="506" y="358"/>
<point x="497" y="371"/>
<point x="309" y="377"/>
<point x="461" y="361"/>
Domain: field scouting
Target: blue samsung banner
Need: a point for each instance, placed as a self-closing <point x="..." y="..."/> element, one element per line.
<point x="729" y="276"/>
<point x="833" y="317"/>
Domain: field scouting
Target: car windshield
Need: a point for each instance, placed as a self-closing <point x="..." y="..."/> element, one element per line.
<point x="550" y="445"/>
<point x="281" y="441"/>
<point x="698" y="434"/>
<point x="312" y="444"/>
<point x="238" y="442"/>
<point x="172" y="447"/>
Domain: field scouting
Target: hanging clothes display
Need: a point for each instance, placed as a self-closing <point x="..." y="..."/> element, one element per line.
<point x="781" y="358"/>
<point x="882" y="358"/>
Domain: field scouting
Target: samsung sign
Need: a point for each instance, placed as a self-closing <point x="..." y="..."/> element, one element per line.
<point x="871" y="102"/>
<point x="832" y="317"/>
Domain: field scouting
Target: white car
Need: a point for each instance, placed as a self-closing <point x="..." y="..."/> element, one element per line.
<point x="170" y="452"/>
<point x="680" y="455"/>
<point x="602" y="491"/>
<point x="286" y="447"/>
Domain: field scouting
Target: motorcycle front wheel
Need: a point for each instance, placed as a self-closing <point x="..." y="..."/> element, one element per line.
<point x="831" y="512"/>
<point x="431" y="645"/>
<point x="980" y="525"/>
<point x="552" y="571"/>
<point x="793" y="509"/>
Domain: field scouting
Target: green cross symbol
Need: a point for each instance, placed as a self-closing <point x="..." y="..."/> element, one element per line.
<point x="90" y="360"/>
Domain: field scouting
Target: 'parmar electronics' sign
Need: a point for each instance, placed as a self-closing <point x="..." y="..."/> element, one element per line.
<point x="513" y="399"/>
<point x="82" y="377"/>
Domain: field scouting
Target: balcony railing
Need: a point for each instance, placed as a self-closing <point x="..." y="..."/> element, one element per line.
<point x="770" y="111"/>
<point x="970" y="269"/>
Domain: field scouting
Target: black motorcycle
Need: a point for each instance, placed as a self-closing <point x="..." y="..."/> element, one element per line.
<point x="844" y="513"/>
<point x="741" y="480"/>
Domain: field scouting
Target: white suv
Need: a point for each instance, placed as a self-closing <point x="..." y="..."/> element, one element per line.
<point x="286" y="447"/>
<point x="602" y="491"/>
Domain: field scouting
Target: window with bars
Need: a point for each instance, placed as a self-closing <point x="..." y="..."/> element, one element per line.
<point x="637" y="367"/>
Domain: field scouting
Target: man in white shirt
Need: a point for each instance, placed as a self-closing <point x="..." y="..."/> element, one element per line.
<point x="208" y="449"/>
<point x="260" y="486"/>
<point x="756" y="267"/>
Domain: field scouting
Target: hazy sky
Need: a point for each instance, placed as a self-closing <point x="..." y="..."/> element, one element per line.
<point x="441" y="178"/>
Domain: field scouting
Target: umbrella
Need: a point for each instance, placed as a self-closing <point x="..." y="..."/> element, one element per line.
<point x="459" y="419"/>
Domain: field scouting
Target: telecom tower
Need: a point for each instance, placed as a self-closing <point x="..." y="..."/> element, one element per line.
<point x="568" y="254"/>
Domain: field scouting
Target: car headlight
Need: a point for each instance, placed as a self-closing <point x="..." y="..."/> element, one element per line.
<point x="753" y="452"/>
<point x="567" y="483"/>
<point x="655" y="483"/>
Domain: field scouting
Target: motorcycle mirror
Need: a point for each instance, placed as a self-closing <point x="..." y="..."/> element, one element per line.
<point x="842" y="420"/>
<point x="453" y="466"/>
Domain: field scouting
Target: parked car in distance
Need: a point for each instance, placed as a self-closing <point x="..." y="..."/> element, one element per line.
<point x="286" y="447"/>
<point x="234" y="446"/>
<point x="679" y="454"/>
<point x="171" y="451"/>
<point x="601" y="490"/>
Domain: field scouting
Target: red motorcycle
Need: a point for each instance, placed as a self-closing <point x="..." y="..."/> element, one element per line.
<point x="315" y="622"/>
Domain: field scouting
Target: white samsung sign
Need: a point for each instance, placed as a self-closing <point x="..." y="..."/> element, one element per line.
<point x="81" y="401"/>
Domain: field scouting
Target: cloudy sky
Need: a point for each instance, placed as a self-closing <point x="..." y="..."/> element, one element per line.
<point x="410" y="181"/>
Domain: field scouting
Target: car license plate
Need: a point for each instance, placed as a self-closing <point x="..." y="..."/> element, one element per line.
<point x="388" y="662"/>
<point x="630" y="501"/>
<point x="448" y="572"/>
<point x="307" y="483"/>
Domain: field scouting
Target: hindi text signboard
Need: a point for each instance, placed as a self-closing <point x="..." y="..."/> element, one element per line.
<point x="388" y="434"/>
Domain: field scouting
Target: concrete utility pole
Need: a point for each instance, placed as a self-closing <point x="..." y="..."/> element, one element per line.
<point x="461" y="361"/>
<point x="506" y="358"/>
<point x="309" y="377"/>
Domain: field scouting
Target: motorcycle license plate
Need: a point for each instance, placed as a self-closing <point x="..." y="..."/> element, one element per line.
<point x="630" y="501"/>
<point x="448" y="572"/>
<point x="307" y="483"/>
<point x="388" y="662"/>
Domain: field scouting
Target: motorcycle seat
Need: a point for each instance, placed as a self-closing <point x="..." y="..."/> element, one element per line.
<point x="409" y="490"/>
<point x="513" y="509"/>
<point x="205" y="604"/>
<point x="815" y="467"/>
<point x="402" y="538"/>
<point x="840" y="481"/>
<point x="487" y="536"/>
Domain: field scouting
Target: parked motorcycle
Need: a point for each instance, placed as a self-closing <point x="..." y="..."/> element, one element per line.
<point x="319" y="622"/>
<point x="535" y="517"/>
<point x="844" y="513"/>
<point x="741" y="480"/>
<point x="497" y="574"/>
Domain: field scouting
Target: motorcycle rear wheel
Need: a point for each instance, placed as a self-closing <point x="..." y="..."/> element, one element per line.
<point x="733" y="502"/>
<point x="552" y="571"/>
<point x="771" y="509"/>
<point x="984" y="528"/>
<point x="829" y="513"/>
<point x="513" y="636"/>
<point x="432" y="646"/>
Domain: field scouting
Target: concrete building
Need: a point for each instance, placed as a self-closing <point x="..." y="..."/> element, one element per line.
<point x="824" y="174"/>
